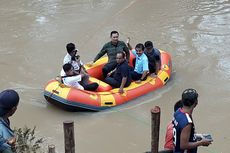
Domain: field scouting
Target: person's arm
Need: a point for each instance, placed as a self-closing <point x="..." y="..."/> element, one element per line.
<point x="145" y="69"/>
<point x="157" y="68"/>
<point x="66" y="59"/>
<point x="158" y="62"/>
<point x="6" y="136"/>
<point x="123" y="82"/>
<point x="126" y="50"/>
<point x="11" y="141"/>
<point x="111" y="72"/>
<point x="101" y="53"/>
<point x="71" y="79"/>
<point x="128" y="43"/>
<point x="82" y="68"/>
<point x="145" y="73"/>
<point x="184" y="139"/>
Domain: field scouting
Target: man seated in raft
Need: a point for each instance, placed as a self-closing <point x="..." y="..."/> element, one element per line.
<point x="141" y="68"/>
<point x="74" y="80"/>
<point x="111" y="48"/>
<point x="154" y="57"/>
<point x="74" y="59"/>
<point x="120" y="76"/>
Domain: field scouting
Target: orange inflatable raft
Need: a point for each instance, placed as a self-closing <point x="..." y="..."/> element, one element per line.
<point x="73" y="99"/>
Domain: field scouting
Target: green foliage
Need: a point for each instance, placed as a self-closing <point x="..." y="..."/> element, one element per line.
<point x="26" y="141"/>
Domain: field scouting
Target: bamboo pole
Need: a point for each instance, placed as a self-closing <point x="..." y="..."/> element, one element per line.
<point x="51" y="149"/>
<point x="155" y="113"/>
<point x="69" y="136"/>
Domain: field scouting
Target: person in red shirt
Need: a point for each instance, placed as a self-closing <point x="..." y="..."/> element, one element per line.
<point x="169" y="131"/>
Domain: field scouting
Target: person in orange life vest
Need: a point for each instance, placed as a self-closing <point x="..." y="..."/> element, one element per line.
<point x="169" y="132"/>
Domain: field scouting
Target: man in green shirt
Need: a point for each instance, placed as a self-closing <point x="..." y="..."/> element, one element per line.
<point x="111" y="49"/>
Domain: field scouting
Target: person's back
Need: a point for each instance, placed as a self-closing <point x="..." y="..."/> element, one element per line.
<point x="169" y="137"/>
<point x="182" y="119"/>
<point x="169" y="131"/>
<point x="9" y="100"/>
<point x="5" y="133"/>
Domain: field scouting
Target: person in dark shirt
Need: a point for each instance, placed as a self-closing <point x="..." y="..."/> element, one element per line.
<point x="111" y="48"/>
<point x="154" y="57"/>
<point x="120" y="76"/>
<point x="183" y="126"/>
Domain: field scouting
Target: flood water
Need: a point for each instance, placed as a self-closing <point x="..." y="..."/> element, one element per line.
<point x="33" y="35"/>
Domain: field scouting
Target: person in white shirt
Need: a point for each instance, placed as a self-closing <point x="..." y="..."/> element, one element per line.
<point x="75" y="61"/>
<point x="74" y="80"/>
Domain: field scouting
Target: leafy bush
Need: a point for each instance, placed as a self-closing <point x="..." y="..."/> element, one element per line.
<point x="26" y="141"/>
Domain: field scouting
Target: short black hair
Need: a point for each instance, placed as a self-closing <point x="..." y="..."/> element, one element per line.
<point x="177" y="105"/>
<point x="66" y="67"/>
<point x="70" y="47"/>
<point x="189" y="97"/>
<point x="148" y="44"/>
<point x="140" y="45"/>
<point x="123" y="53"/>
<point x="113" y="32"/>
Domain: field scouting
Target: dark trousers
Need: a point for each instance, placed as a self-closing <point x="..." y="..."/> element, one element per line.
<point x="108" y="67"/>
<point x="90" y="86"/>
<point x="152" y="68"/>
<point x="135" y="76"/>
<point x="84" y="80"/>
<point x="114" y="83"/>
<point x="111" y="81"/>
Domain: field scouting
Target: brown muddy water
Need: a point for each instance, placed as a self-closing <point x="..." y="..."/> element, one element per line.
<point x="196" y="33"/>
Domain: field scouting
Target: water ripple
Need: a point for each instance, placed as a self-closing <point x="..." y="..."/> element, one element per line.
<point x="224" y="66"/>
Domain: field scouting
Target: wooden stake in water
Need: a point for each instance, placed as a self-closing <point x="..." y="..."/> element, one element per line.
<point x="69" y="136"/>
<point x="155" y="113"/>
<point x="51" y="149"/>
